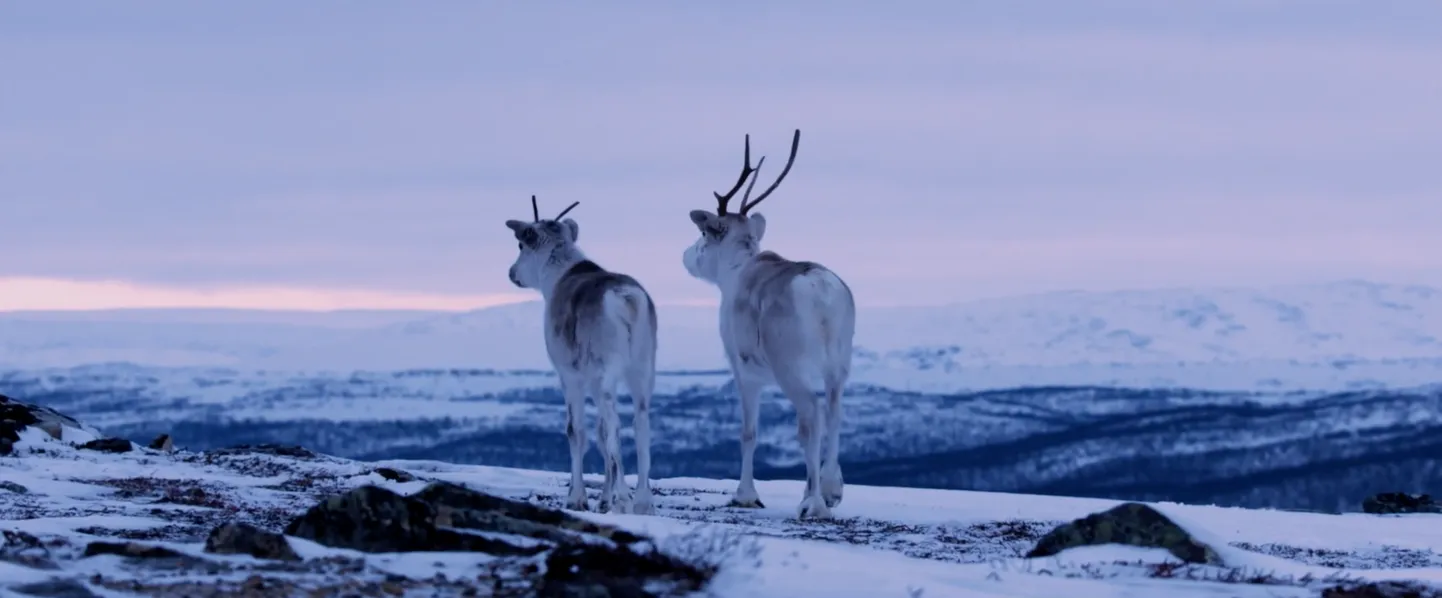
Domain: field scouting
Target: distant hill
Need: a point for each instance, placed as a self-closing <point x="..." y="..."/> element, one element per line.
<point x="1334" y="335"/>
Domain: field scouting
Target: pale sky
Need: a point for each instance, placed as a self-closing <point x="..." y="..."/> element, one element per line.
<point x="366" y="154"/>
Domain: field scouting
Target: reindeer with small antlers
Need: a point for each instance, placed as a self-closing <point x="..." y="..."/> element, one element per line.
<point x="783" y="322"/>
<point x="600" y="330"/>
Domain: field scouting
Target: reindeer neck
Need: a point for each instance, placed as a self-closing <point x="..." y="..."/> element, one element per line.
<point x="561" y="265"/>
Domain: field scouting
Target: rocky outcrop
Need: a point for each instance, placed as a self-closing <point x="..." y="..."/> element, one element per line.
<point x="16" y="416"/>
<point x="162" y="443"/>
<point x="243" y="538"/>
<point x="394" y="475"/>
<point x="582" y="558"/>
<point x="1388" y="503"/>
<point x="279" y="450"/>
<point x="26" y="550"/>
<point x="1383" y="589"/>
<point x="131" y="550"/>
<point x="1133" y="524"/>
<point x="108" y="445"/>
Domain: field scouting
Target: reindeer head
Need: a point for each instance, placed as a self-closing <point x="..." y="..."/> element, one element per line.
<point x="726" y="236"/>
<point x="542" y="243"/>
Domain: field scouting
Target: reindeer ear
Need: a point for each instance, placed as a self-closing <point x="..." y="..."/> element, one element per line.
<point x="516" y="225"/>
<point x="701" y="218"/>
<point x="573" y="230"/>
<point x="757" y="224"/>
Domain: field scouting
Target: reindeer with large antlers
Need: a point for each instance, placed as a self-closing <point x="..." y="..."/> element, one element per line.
<point x="783" y="322"/>
<point x="600" y="330"/>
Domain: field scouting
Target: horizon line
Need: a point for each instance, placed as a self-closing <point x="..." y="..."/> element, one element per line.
<point x="20" y="295"/>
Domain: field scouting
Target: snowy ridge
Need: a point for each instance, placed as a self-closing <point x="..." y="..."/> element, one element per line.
<point x="884" y="542"/>
<point x="1333" y="336"/>
<point x="1304" y="324"/>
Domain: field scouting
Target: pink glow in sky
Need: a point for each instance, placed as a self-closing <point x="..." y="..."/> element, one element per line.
<point x="45" y="294"/>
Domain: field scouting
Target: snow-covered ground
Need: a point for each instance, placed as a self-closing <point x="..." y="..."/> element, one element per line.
<point x="884" y="542"/>
<point x="1326" y="336"/>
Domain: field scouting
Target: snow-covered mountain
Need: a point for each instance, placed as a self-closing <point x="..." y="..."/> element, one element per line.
<point x="1350" y="321"/>
<point x="1336" y="335"/>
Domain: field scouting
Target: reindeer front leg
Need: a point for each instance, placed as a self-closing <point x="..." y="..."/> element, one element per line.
<point x="750" y="391"/>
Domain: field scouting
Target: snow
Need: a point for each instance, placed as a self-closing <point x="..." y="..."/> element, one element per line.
<point x="884" y="542"/>
<point x="1323" y="336"/>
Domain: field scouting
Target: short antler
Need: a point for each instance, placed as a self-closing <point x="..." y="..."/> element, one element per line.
<point x="536" y="211"/>
<point x="567" y="210"/>
<point x="747" y="205"/>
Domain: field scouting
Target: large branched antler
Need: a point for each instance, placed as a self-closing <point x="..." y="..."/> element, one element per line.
<point x="751" y="172"/>
<point x="746" y="171"/>
<point x="747" y="205"/>
<point x="536" y="211"/>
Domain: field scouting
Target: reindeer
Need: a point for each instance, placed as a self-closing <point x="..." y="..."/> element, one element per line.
<point x="783" y="322"/>
<point x="600" y="330"/>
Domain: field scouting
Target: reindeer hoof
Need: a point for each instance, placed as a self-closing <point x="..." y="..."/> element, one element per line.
<point x="754" y="503"/>
<point x="577" y="501"/>
<point x="746" y="498"/>
<point x="813" y="508"/>
<point x="642" y="504"/>
<point x="831" y="487"/>
<point x="620" y="503"/>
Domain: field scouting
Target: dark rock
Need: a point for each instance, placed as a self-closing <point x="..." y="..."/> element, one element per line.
<point x="6" y="445"/>
<point x="462" y="507"/>
<point x="1400" y="502"/>
<point x="108" y="445"/>
<point x="1383" y="589"/>
<point x="1133" y="524"/>
<point x="585" y="558"/>
<point x="13" y="487"/>
<point x="132" y="549"/>
<point x="283" y="450"/>
<point x="56" y="588"/>
<point x="162" y="443"/>
<point x="395" y="475"/>
<point x="16" y="416"/>
<point x="583" y="570"/>
<point x="243" y="538"/>
<point x="373" y="519"/>
<point x="25" y="550"/>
